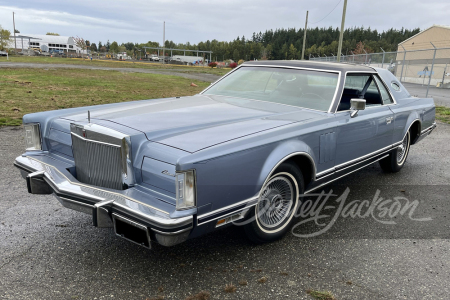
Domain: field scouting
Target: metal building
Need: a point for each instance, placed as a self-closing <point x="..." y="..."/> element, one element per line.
<point x="425" y="53"/>
<point x="45" y="42"/>
<point x="439" y="35"/>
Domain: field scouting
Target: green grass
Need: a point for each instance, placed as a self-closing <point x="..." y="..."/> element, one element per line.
<point x="443" y="114"/>
<point x="320" y="295"/>
<point x="24" y="91"/>
<point x="114" y="64"/>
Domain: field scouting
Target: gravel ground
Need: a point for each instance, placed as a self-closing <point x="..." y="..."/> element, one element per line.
<point x="50" y="252"/>
<point x="176" y="72"/>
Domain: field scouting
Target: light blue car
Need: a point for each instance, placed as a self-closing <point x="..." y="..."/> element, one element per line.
<point x="245" y="149"/>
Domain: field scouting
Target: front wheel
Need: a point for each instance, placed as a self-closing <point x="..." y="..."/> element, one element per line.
<point x="278" y="201"/>
<point x="397" y="158"/>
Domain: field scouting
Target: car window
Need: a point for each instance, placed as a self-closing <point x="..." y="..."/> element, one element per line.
<point x="356" y="82"/>
<point x="295" y="87"/>
<point x="362" y="87"/>
<point x="385" y="97"/>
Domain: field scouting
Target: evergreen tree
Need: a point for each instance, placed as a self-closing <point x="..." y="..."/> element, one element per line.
<point x="286" y="43"/>
<point x="236" y="55"/>
<point x="292" y="52"/>
<point x="93" y="47"/>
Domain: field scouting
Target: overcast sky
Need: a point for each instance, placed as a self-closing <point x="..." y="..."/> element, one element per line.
<point x="199" y="20"/>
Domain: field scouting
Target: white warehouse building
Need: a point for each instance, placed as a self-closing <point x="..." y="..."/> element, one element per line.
<point x="45" y="42"/>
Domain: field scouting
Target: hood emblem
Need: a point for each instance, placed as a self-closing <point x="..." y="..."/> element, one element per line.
<point x="165" y="172"/>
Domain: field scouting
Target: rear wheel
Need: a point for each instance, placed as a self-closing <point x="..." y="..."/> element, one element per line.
<point x="277" y="204"/>
<point x="397" y="158"/>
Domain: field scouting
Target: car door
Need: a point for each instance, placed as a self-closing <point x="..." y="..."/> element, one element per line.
<point x="361" y="138"/>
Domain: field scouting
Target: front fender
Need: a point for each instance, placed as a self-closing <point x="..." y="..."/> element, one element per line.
<point x="283" y="152"/>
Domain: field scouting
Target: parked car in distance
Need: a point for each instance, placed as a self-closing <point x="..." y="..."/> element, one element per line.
<point x="245" y="149"/>
<point x="3" y="53"/>
<point x="154" y="57"/>
<point x="56" y="52"/>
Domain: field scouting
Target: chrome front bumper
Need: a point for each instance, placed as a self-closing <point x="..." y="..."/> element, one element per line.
<point x="128" y="211"/>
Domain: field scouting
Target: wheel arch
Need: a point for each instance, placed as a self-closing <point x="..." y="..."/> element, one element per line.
<point x="295" y="152"/>
<point x="415" y="128"/>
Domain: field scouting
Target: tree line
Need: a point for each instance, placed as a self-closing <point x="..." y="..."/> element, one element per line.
<point x="271" y="44"/>
<point x="282" y="43"/>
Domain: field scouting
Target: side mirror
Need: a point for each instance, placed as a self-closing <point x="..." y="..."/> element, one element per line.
<point x="357" y="105"/>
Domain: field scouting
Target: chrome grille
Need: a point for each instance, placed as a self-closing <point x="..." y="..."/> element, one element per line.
<point x="97" y="163"/>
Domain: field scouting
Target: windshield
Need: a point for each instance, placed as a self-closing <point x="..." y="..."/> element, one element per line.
<point x="303" y="88"/>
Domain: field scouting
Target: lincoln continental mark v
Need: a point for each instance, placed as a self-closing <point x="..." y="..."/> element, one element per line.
<point x="247" y="148"/>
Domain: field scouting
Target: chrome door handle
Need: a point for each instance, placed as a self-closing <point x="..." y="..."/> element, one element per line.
<point x="389" y="120"/>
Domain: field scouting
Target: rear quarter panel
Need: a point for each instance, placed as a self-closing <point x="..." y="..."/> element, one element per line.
<point x="408" y="109"/>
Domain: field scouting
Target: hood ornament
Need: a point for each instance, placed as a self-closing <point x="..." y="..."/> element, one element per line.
<point x="89" y="116"/>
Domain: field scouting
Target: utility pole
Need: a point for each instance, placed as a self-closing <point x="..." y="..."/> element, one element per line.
<point x="304" y="36"/>
<point x="14" y="26"/>
<point x="164" y="41"/>
<point x="341" y="34"/>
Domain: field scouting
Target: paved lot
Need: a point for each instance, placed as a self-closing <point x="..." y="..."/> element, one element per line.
<point x="440" y="96"/>
<point x="176" y="72"/>
<point x="49" y="252"/>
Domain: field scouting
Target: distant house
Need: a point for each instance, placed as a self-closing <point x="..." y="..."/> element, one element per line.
<point x="418" y="61"/>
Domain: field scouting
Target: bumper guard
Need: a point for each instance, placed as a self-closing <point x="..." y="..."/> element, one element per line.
<point x="131" y="218"/>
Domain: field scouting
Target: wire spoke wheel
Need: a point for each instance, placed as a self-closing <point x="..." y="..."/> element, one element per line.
<point x="275" y="203"/>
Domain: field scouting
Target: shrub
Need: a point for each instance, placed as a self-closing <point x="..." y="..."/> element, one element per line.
<point x="233" y="65"/>
<point x="212" y="64"/>
<point x="240" y="62"/>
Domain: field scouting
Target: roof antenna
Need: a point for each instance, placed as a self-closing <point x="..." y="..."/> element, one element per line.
<point x="89" y="116"/>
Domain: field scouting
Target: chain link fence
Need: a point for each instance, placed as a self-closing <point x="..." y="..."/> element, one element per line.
<point x="419" y="70"/>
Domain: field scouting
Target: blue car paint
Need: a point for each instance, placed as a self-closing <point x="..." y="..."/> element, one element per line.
<point x="234" y="144"/>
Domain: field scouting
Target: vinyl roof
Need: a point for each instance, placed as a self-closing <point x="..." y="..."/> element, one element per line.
<point x="312" y="64"/>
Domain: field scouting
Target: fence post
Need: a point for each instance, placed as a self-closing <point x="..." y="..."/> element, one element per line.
<point x="403" y="63"/>
<point x="443" y="75"/>
<point x="431" y="72"/>
<point x="365" y="59"/>
<point x="382" y="62"/>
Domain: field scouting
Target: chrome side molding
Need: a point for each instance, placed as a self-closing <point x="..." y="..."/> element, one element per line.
<point x="426" y="132"/>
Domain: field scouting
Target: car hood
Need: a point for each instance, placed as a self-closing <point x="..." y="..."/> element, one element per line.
<point x="198" y="122"/>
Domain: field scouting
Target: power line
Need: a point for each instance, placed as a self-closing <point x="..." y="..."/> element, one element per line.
<point x="327" y="14"/>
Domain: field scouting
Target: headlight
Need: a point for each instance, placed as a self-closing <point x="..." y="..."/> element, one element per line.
<point x="185" y="190"/>
<point x="32" y="136"/>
